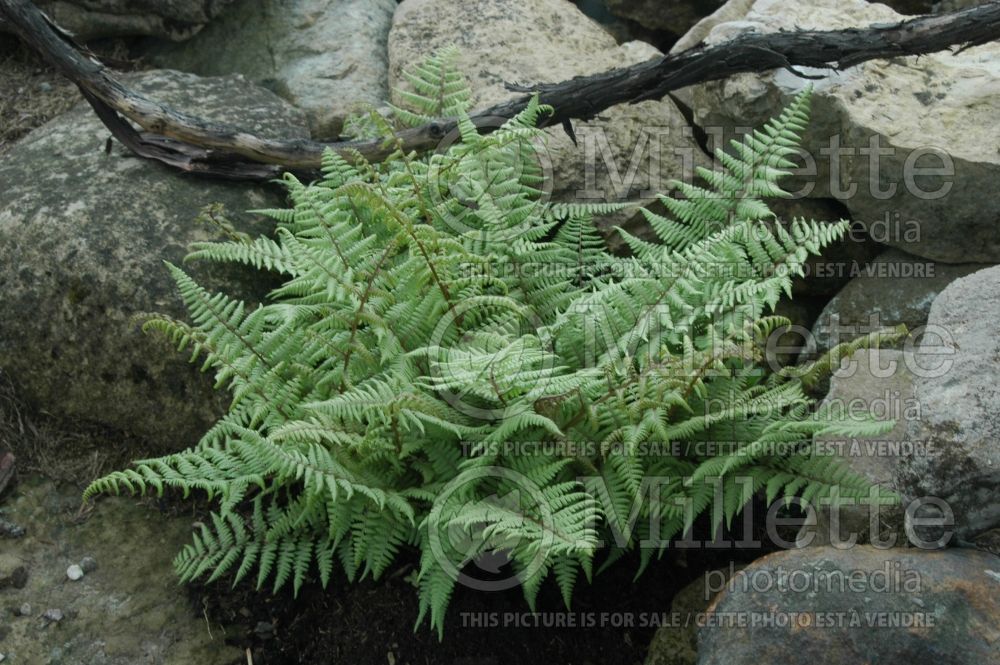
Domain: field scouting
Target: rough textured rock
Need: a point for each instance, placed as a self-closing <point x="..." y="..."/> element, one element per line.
<point x="328" y="57"/>
<point x="877" y="384"/>
<point x="84" y="234"/>
<point x="730" y="11"/>
<point x="823" y="605"/>
<point x="535" y="41"/>
<point x="673" y="15"/>
<point x="169" y="19"/>
<point x="129" y="611"/>
<point x="942" y="457"/>
<point x="894" y="288"/>
<point x="677" y="642"/>
<point x="624" y="29"/>
<point x="935" y="113"/>
<point x="959" y="418"/>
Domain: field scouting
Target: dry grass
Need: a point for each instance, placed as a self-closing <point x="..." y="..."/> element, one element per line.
<point x="32" y="93"/>
<point x="68" y="452"/>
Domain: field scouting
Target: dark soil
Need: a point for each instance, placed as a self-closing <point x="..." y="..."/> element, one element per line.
<point x="373" y="622"/>
<point x="70" y="452"/>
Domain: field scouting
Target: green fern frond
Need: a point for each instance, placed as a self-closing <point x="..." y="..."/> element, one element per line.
<point x="440" y="319"/>
<point x="438" y="90"/>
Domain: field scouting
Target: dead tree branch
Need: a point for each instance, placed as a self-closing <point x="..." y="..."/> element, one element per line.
<point x="193" y="144"/>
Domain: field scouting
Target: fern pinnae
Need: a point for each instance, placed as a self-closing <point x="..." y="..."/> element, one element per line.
<point x="393" y="362"/>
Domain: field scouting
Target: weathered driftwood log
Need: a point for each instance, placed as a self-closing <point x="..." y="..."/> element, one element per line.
<point x="196" y="145"/>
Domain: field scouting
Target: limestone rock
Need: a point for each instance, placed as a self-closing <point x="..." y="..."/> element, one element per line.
<point x="909" y="145"/>
<point x="730" y="11"/>
<point x="958" y="391"/>
<point x="327" y="57"/>
<point x="942" y="457"/>
<point x="84" y="234"/>
<point x="170" y="19"/>
<point x="538" y="41"/>
<point x="895" y="288"/>
<point x="876" y="384"/>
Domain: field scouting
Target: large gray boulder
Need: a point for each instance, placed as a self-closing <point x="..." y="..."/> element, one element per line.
<point x="943" y="457"/>
<point x="895" y="288"/>
<point x="328" y="57"/>
<point x="877" y="384"/>
<point x="958" y="391"/>
<point x="862" y="605"/>
<point x="169" y="19"/>
<point x="84" y="233"/>
<point x="537" y="41"/>
<point x="909" y="144"/>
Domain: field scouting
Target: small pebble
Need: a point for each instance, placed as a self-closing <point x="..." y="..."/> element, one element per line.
<point x="53" y="615"/>
<point x="10" y="529"/>
<point x="264" y="630"/>
<point x="88" y="564"/>
<point x="74" y="572"/>
<point x="24" y="610"/>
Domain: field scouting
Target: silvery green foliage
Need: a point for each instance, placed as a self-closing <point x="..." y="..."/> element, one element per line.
<point x="436" y="310"/>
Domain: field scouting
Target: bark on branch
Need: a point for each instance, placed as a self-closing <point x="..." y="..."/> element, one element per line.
<point x="196" y="145"/>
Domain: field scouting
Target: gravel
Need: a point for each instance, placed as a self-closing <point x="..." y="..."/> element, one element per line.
<point x="54" y="615"/>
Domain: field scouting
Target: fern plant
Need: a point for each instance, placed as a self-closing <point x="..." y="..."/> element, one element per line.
<point x="445" y="340"/>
